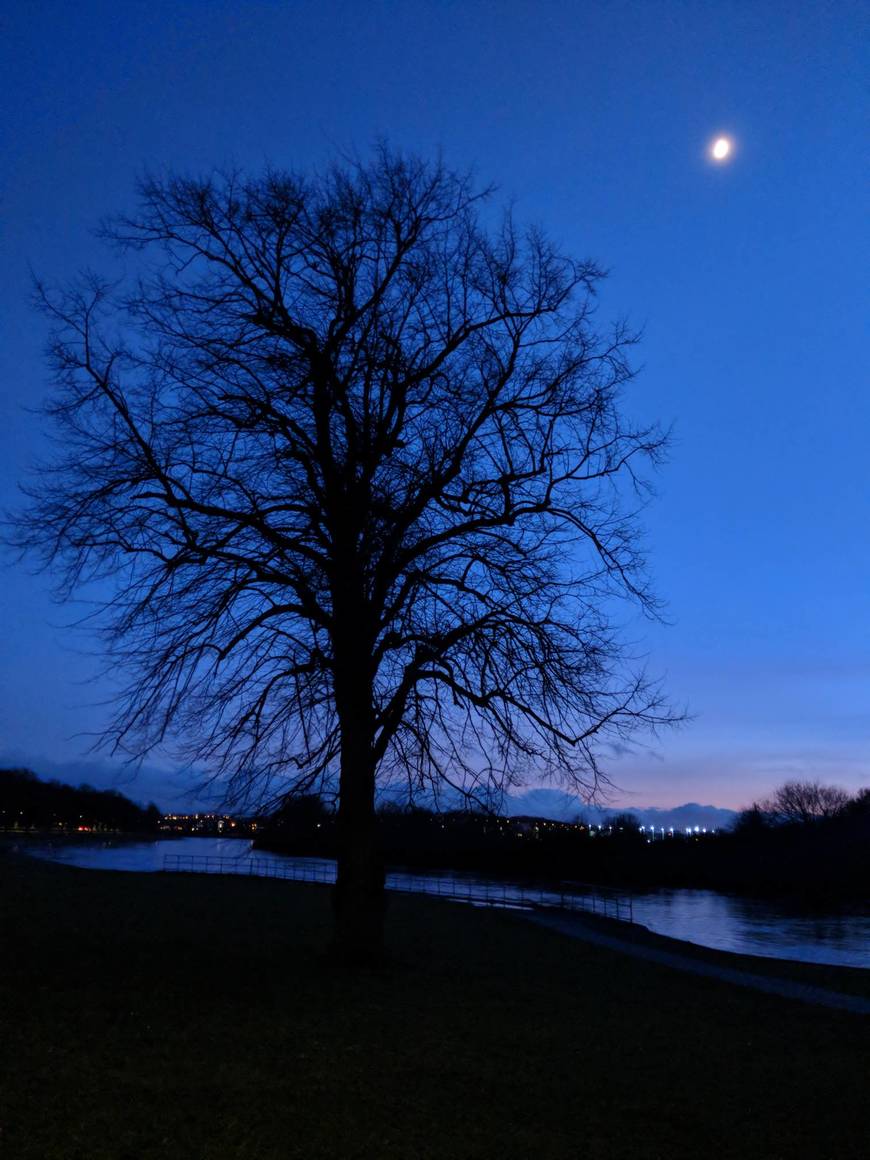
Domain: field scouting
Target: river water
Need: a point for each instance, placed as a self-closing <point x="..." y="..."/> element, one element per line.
<point x="728" y="922"/>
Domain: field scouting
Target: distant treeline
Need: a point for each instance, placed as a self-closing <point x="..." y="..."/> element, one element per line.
<point x="818" y="856"/>
<point x="28" y="803"/>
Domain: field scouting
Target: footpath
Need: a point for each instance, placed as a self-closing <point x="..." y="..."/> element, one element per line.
<point x="575" y="927"/>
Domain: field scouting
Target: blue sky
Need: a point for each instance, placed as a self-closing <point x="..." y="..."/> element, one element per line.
<point x="593" y="118"/>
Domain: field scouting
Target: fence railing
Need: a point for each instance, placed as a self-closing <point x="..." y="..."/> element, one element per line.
<point x="478" y="892"/>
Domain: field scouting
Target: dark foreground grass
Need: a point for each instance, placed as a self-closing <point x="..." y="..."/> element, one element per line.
<point x="152" y="1016"/>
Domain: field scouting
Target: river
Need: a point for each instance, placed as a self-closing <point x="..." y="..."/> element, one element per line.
<point x="751" y="926"/>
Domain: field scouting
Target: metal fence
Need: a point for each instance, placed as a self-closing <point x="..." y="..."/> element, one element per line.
<point x="477" y="892"/>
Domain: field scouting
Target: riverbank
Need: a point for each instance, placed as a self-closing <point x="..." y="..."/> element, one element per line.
<point x="845" y="990"/>
<point x="152" y="1016"/>
<point x="636" y="938"/>
<point x="729" y="923"/>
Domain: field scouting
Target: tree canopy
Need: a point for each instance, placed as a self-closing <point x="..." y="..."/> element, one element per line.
<point x="352" y="454"/>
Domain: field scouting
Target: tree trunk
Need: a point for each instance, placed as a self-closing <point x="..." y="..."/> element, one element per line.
<point x="358" y="899"/>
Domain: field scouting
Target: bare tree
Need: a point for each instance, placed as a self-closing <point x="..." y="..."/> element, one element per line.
<point x="351" y="453"/>
<point x="804" y="802"/>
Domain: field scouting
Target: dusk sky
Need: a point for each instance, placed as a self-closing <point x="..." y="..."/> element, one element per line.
<point x="594" y="119"/>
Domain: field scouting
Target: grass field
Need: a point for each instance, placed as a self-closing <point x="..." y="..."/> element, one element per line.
<point x="152" y="1016"/>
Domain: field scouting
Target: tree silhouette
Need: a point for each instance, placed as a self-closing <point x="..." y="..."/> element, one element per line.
<point x="804" y="802"/>
<point x="350" y="451"/>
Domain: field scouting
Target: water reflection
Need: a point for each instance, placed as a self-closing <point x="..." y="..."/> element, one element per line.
<point x="138" y="855"/>
<point x="727" y="922"/>
<point x="755" y="926"/>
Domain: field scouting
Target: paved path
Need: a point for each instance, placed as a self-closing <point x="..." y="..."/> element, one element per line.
<point x="787" y="988"/>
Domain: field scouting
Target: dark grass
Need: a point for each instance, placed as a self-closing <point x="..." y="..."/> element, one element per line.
<point x="153" y="1016"/>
